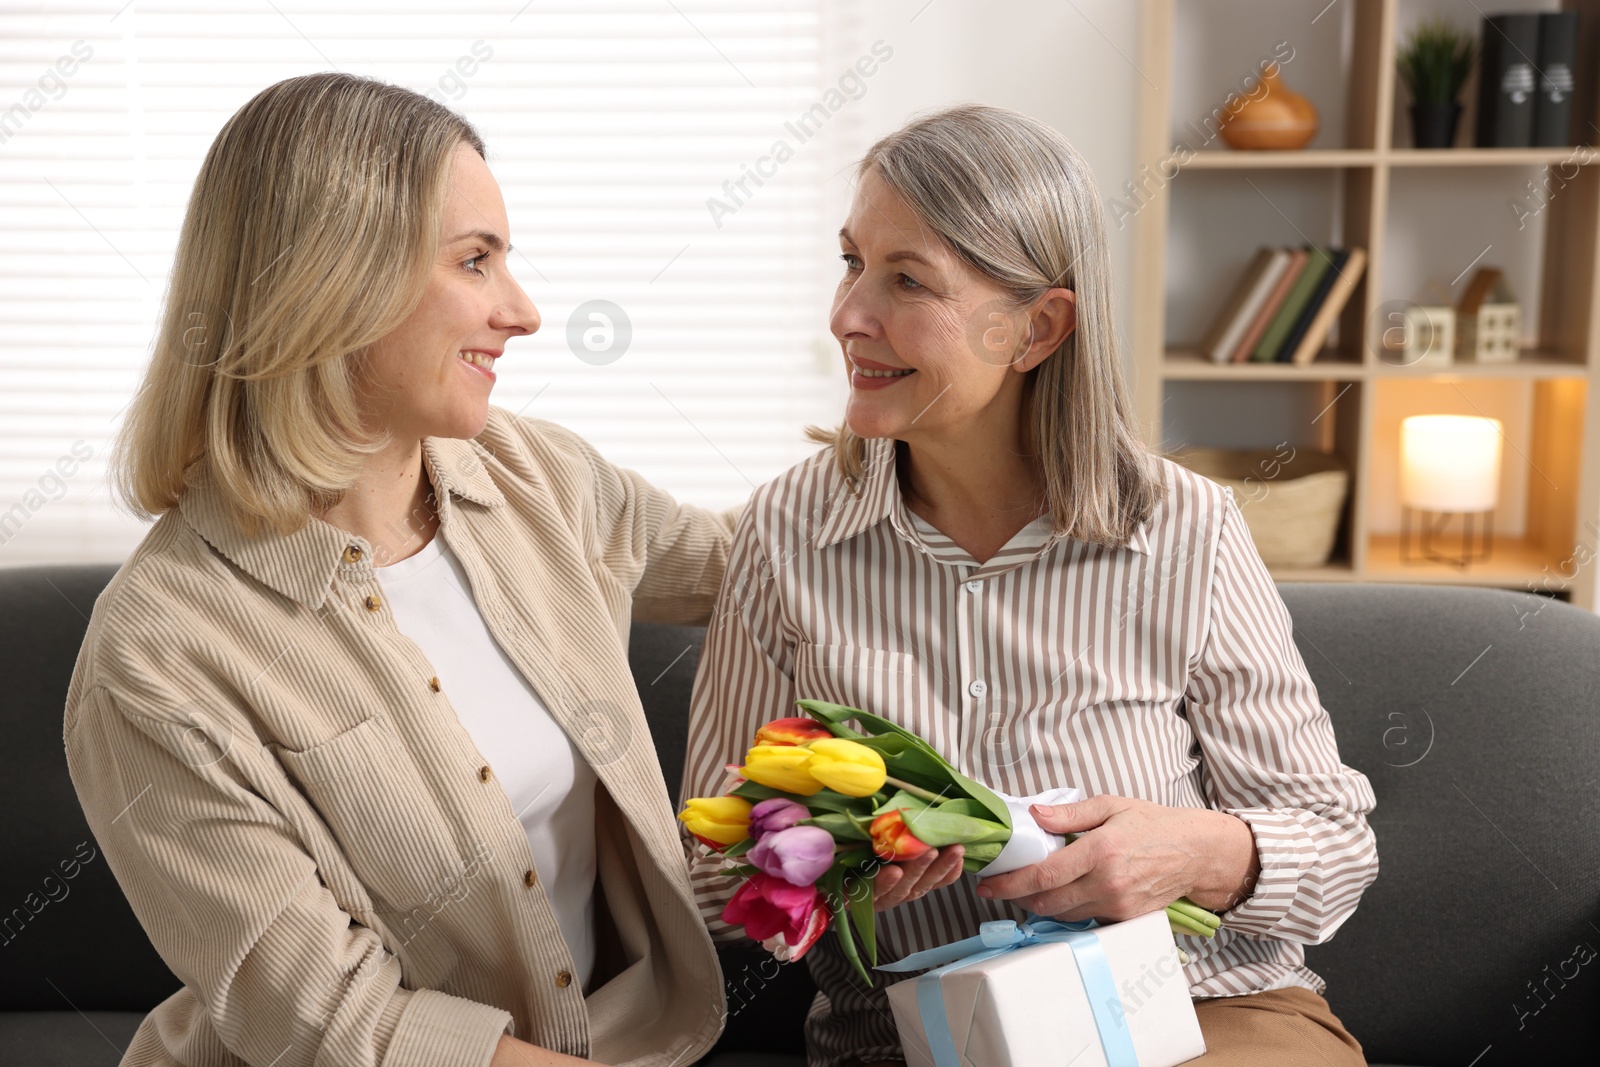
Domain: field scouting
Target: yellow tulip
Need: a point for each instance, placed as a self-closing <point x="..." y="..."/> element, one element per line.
<point x="846" y="767"/>
<point x="718" y="821"/>
<point x="782" y="767"/>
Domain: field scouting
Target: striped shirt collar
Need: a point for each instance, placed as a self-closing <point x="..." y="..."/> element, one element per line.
<point x="301" y="565"/>
<point x="879" y="499"/>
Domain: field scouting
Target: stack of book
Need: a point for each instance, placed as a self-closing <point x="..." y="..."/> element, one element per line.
<point x="1526" y="82"/>
<point x="1284" y="306"/>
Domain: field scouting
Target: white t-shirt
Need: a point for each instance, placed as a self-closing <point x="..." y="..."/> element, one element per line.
<point x="550" y="785"/>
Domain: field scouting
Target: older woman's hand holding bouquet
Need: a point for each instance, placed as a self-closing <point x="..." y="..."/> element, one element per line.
<point x="822" y="808"/>
<point x="1132" y="856"/>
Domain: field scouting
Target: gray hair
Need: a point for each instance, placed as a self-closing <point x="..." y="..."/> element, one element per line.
<point x="1016" y="202"/>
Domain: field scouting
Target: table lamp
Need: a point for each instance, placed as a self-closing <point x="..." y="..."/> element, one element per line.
<point x="1449" y="467"/>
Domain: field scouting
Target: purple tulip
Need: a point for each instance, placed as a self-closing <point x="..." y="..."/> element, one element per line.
<point x="799" y="855"/>
<point x="779" y="813"/>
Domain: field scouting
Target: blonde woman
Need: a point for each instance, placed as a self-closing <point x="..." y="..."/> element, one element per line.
<point x="985" y="553"/>
<point x="354" y="724"/>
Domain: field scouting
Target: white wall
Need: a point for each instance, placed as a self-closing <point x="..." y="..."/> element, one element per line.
<point x="1071" y="65"/>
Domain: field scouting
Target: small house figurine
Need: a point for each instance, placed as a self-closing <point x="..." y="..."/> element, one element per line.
<point x="1430" y="335"/>
<point x="1488" y="319"/>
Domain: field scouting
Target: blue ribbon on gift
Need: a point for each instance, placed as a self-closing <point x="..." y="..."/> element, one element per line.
<point x="1006" y="935"/>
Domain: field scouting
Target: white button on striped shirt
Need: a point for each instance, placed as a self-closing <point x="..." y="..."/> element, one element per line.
<point x="1163" y="669"/>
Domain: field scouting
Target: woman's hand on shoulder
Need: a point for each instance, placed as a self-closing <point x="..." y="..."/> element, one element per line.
<point x="896" y="883"/>
<point x="1132" y="857"/>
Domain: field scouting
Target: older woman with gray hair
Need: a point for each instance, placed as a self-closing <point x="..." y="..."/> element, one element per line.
<point x="986" y="553"/>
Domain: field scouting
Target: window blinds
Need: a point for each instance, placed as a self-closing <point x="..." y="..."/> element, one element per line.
<point x="628" y="139"/>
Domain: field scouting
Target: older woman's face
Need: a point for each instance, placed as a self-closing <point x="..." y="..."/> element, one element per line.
<point x="418" y="382"/>
<point x="925" y="338"/>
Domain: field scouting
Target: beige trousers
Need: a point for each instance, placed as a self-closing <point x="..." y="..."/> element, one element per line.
<point x="1275" y="1028"/>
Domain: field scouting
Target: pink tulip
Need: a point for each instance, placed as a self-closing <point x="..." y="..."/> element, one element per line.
<point x="784" y="952"/>
<point x="799" y="855"/>
<point x="779" y="813"/>
<point x="766" y="906"/>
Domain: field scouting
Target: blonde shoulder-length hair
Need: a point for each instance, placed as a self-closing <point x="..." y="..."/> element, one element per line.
<point x="309" y="235"/>
<point x="1018" y="204"/>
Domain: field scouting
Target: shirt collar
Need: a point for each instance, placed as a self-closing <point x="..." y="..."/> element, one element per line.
<point x="879" y="496"/>
<point x="301" y="565"/>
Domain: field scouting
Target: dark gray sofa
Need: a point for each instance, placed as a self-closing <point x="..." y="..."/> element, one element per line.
<point x="1475" y="713"/>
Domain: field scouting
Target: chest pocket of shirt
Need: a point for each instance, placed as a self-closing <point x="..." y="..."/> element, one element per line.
<point x="885" y="683"/>
<point x="381" y="812"/>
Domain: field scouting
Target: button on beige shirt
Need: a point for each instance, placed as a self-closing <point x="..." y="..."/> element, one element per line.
<point x="1162" y="669"/>
<point x="307" y="832"/>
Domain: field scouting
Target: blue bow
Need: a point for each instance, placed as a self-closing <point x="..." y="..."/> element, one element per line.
<point x="1006" y="935"/>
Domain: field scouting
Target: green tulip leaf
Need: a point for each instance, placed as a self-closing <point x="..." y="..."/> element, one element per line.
<point x="938" y="828"/>
<point x="755" y="792"/>
<point x="858" y="891"/>
<point x="848" y="857"/>
<point x="822" y="800"/>
<point x="966" y="806"/>
<point x="842" y="826"/>
<point x="828" y="800"/>
<point x="985" y="853"/>
<point x="901" y="801"/>
<point x="832" y="886"/>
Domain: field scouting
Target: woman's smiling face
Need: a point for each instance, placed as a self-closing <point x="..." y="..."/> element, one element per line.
<point x="928" y="341"/>
<point x="418" y="382"/>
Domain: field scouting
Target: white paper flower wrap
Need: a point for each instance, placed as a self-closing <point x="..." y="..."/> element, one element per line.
<point x="1029" y="841"/>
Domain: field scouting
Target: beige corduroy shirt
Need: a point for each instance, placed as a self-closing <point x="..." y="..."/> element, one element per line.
<point x="307" y="832"/>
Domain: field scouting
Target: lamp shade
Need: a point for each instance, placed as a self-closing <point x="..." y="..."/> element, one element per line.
<point x="1450" y="463"/>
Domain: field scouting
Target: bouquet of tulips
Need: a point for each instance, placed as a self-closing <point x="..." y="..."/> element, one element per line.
<point x="821" y="805"/>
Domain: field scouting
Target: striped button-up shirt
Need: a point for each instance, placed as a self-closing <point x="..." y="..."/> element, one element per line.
<point x="1162" y="669"/>
<point x="308" y="833"/>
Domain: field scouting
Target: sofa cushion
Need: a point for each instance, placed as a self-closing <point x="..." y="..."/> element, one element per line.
<point x="1475" y="714"/>
<point x="66" y="1038"/>
<point x="68" y="938"/>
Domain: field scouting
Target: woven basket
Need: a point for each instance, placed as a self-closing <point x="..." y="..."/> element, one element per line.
<point x="1290" y="501"/>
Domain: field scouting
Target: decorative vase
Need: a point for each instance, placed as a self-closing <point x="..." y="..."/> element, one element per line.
<point x="1280" y="118"/>
<point x="1434" y="125"/>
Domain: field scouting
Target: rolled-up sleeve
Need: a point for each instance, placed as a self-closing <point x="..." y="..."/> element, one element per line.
<point x="1269" y="756"/>
<point x="233" y="903"/>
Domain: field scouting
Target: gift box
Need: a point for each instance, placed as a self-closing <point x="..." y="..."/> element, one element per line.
<point x="1044" y="993"/>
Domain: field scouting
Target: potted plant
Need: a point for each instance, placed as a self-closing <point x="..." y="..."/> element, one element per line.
<point x="1434" y="64"/>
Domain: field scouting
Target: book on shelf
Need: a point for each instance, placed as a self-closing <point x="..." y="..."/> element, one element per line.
<point x="1288" y="312"/>
<point x="1507" y="83"/>
<point x="1246" y="301"/>
<point x="1336" y="259"/>
<point x="1350" y="266"/>
<point x="1247" y="343"/>
<point x="1284" y="305"/>
<point x="1558" y="52"/>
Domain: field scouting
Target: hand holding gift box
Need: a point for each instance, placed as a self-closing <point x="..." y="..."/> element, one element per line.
<point x="1044" y="993"/>
<point x="822" y="805"/>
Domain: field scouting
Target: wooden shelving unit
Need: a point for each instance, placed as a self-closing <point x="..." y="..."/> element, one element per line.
<point x="1561" y="370"/>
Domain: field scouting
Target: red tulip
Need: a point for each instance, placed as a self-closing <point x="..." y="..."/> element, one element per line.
<point x="893" y="840"/>
<point x="767" y="906"/>
<point x="793" y="731"/>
